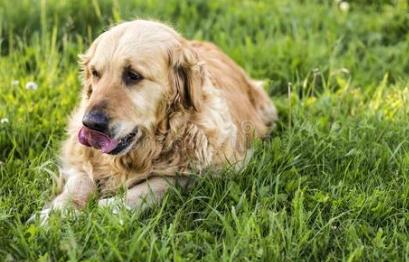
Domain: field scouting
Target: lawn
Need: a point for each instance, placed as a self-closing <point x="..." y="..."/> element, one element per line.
<point x="332" y="183"/>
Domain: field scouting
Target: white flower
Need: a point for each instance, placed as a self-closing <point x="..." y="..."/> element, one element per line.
<point x="31" y="85"/>
<point x="344" y="6"/>
<point x="4" y="121"/>
<point x="15" y="82"/>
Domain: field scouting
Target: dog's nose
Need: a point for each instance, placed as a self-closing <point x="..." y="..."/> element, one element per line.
<point x="96" y="120"/>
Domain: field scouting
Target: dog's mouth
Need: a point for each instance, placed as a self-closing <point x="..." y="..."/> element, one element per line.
<point x="92" y="138"/>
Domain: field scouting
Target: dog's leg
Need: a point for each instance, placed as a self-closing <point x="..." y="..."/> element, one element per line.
<point x="145" y="194"/>
<point x="76" y="192"/>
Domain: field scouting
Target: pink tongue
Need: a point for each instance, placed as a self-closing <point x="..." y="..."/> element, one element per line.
<point x="98" y="140"/>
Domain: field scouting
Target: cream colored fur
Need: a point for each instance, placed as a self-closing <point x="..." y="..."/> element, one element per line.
<point x="195" y="108"/>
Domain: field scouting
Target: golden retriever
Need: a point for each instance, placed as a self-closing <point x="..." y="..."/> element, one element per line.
<point x="155" y="108"/>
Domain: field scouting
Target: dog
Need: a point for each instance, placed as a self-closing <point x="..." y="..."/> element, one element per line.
<point x="156" y="107"/>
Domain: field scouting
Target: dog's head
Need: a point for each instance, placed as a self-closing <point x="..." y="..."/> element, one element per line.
<point x="133" y="75"/>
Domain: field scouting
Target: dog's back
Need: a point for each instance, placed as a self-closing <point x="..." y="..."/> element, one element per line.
<point x="248" y="103"/>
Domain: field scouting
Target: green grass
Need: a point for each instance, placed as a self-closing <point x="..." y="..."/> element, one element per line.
<point x="331" y="184"/>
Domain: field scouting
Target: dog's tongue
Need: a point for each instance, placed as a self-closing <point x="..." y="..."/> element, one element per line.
<point x="98" y="140"/>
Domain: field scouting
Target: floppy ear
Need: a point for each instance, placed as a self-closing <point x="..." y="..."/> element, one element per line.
<point x="187" y="77"/>
<point x="84" y="60"/>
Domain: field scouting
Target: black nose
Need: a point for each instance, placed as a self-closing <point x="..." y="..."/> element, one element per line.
<point x="96" y="120"/>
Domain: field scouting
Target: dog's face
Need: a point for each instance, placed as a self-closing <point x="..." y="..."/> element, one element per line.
<point x="132" y="74"/>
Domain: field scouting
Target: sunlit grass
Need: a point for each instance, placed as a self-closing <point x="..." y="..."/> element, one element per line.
<point x="330" y="184"/>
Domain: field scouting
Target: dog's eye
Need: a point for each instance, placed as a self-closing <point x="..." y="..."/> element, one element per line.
<point x="95" y="73"/>
<point x="131" y="77"/>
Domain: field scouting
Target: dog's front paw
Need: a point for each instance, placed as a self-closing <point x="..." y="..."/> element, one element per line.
<point x="114" y="203"/>
<point x="43" y="216"/>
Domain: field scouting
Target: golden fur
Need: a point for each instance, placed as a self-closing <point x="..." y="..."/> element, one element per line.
<point x="196" y="108"/>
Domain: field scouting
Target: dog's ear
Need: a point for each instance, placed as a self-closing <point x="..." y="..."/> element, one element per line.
<point x="187" y="76"/>
<point x="84" y="60"/>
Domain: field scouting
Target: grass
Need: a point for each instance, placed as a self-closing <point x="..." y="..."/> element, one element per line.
<point x="331" y="184"/>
